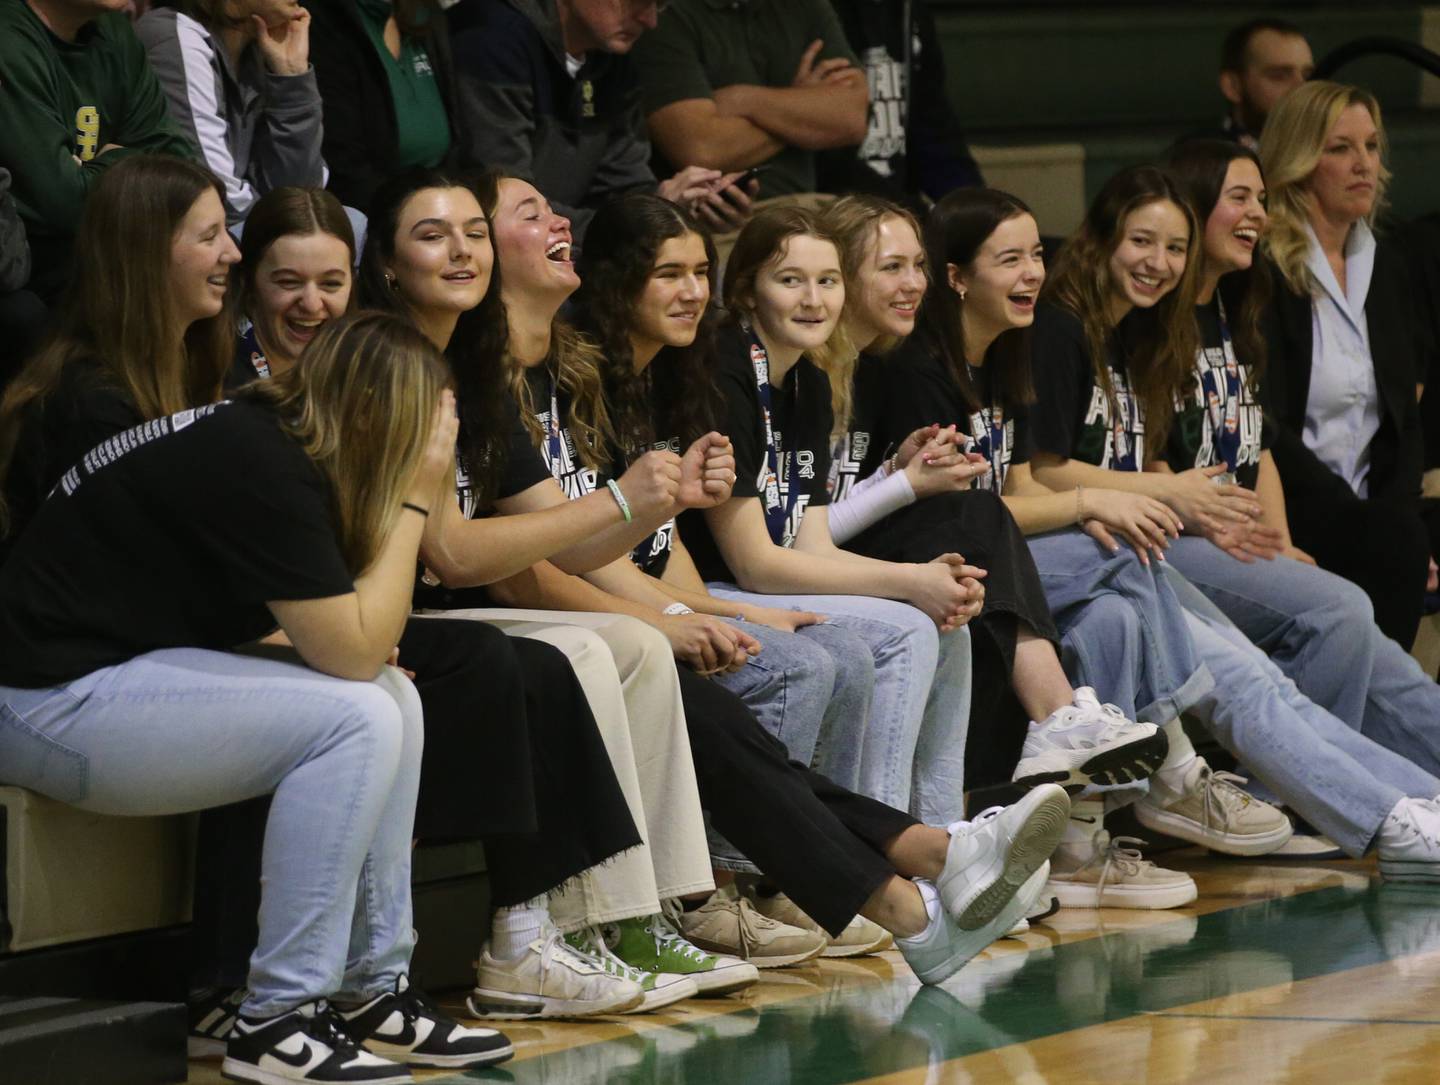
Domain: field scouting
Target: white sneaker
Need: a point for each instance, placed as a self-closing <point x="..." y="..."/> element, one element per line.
<point x="991" y="857"/>
<point x="550" y="979"/>
<point x="1409" y="842"/>
<point x="1089" y="743"/>
<point x="661" y="988"/>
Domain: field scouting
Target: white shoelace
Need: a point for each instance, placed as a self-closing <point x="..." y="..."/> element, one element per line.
<point x="665" y="935"/>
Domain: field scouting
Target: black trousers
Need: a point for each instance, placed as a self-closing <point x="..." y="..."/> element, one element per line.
<point x="821" y="844"/>
<point x="977" y="524"/>
<point x="1382" y="546"/>
<point x="512" y="757"/>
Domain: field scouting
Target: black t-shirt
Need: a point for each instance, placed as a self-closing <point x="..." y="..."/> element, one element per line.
<point x="914" y="387"/>
<point x="523" y="468"/>
<point x="800" y="419"/>
<point x="174" y="533"/>
<point x="1072" y="417"/>
<point x="86" y="407"/>
<point x="1219" y="418"/>
<point x="652" y="553"/>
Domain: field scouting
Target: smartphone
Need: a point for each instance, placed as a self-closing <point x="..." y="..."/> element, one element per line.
<point x="752" y="174"/>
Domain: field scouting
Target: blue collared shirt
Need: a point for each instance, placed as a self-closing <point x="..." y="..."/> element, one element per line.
<point x="1342" y="413"/>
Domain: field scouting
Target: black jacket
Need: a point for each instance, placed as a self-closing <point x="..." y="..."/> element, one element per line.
<point x="360" y="129"/>
<point x="1399" y="349"/>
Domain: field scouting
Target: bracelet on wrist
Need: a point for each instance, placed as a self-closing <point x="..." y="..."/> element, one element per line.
<point x="1079" y="511"/>
<point x="421" y="509"/>
<point x="614" y="488"/>
<point x="676" y="609"/>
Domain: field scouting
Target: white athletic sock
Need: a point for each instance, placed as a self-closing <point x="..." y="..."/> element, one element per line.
<point x="513" y="929"/>
<point x="1178" y="761"/>
<point x="931" y="896"/>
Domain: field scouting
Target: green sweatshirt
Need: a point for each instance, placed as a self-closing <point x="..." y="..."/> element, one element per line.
<point x="61" y="101"/>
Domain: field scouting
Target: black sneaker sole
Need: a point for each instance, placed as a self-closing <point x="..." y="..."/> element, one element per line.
<point x="234" y="1070"/>
<point x="1127" y="764"/>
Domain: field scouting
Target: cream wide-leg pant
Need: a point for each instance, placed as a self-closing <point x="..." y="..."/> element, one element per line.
<point x="627" y="671"/>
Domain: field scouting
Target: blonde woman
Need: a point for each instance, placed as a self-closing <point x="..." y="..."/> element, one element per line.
<point x="1344" y="357"/>
<point x="193" y="534"/>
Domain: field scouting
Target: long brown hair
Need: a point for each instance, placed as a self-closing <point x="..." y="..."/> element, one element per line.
<point x="361" y="403"/>
<point x="955" y="230"/>
<point x="1199" y="166"/>
<point x="575" y="363"/>
<point x="116" y="310"/>
<point x="283" y="212"/>
<point x="1290" y="148"/>
<point x="675" y="395"/>
<point x="477" y="349"/>
<point x="1164" y="343"/>
<point x="855" y="221"/>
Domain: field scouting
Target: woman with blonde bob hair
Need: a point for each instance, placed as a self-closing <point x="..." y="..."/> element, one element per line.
<point x="192" y="535"/>
<point x="1344" y="355"/>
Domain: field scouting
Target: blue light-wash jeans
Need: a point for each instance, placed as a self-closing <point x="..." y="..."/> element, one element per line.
<point x="802" y="683"/>
<point x="1329" y="773"/>
<point x="184" y="729"/>
<point x="1122" y="631"/>
<point x="910" y="751"/>
<point x="1320" y="630"/>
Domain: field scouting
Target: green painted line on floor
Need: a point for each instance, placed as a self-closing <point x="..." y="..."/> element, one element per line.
<point x="854" y="1032"/>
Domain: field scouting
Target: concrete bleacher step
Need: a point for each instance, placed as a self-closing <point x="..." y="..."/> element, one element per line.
<point x="66" y="1041"/>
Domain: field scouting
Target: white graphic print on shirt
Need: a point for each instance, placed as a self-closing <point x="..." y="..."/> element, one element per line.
<point x="127" y="441"/>
<point x="993" y="436"/>
<point x="886" y="137"/>
<point x="575" y="478"/>
<point x="1229" y="425"/>
<point x="845" y="463"/>
<point x="1117" y="443"/>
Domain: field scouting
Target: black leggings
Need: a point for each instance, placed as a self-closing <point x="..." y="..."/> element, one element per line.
<point x="823" y="845"/>
<point x="977" y="524"/>
<point x="512" y="757"/>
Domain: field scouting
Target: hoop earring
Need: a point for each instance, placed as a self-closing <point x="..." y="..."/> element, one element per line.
<point x="390" y="281"/>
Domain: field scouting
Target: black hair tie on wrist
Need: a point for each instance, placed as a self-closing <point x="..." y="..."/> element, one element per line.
<point x="418" y="508"/>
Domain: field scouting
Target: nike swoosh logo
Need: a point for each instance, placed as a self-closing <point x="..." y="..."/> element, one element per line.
<point x="298" y="1060"/>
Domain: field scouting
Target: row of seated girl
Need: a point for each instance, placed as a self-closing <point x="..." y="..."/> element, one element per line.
<point x="829" y="461"/>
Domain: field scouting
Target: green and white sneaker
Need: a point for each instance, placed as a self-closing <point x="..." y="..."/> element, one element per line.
<point x="661" y="988"/>
<point x="654" y="944"/>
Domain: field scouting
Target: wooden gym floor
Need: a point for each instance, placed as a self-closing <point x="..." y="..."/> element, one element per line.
<point x="1279" y="973"/>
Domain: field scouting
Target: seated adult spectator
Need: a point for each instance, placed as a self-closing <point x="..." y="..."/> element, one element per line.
<point x="549" y="92"/>
<point x="78" y="95"/>
<point x="1346" y="353"/>
<point x="238" y="79"/>
<point x="764" y="83"/>
<point x="1260" y="62"/>
<point x="388" y="88"/>
<point x="914" y="152"/>
<point x="22" y="314"/>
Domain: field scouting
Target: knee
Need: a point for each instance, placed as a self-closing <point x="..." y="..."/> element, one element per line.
<point x="384" y="715"/>
<point x="634" y="645"/>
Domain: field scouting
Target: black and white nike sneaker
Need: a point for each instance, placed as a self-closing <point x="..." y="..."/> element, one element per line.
<point x="212" y="1016"/>
<point x="308" y="1045"/>
<point x="407" y="1027"/>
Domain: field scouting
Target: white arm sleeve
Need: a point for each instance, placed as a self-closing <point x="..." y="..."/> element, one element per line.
<point x="869" y="501"/>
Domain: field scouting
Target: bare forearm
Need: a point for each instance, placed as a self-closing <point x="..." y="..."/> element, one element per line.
<point x="781" y="571"/>
<point x="1049" y="511"/>
<point x="580" y="534"/>
<point x="701" y="137"/>
<point x="624" y="581"/>
<point x="814" y="118"/>
<point x="1063" y="475"/>
<point x="545" y="587"/>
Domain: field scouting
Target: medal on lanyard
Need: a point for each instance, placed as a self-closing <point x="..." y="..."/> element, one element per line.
<point x="777" y="509"/>
<point x="1224" y="420"/>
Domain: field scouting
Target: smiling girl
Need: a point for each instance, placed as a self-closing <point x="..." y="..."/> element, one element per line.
<point x="1106" y="384"/>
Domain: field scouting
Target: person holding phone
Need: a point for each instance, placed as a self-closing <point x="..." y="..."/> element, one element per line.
<point x="549" y="92"/>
